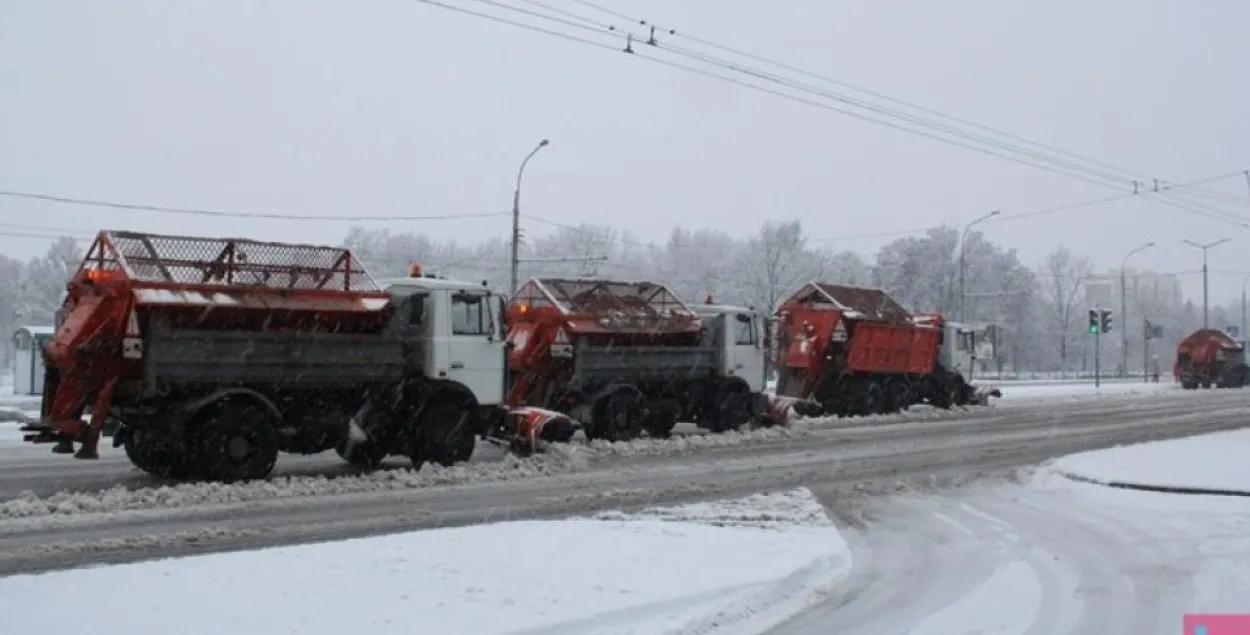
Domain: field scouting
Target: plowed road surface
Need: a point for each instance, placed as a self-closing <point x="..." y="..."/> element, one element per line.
<point x="830" y="459"/>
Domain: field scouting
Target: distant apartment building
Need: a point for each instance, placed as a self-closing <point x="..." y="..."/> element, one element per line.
<point x="1161" y="290"/>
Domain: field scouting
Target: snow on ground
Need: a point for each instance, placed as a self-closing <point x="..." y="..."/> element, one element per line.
<point x="740" y="567"/>
<point x="1213" y="531"/>
<point x="1219" y="461"/>
<point x="1049" y="554"/>
<point x="1015" y="391"/>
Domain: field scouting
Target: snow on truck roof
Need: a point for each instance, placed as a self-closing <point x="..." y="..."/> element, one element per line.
<point x="427" y="282"/>
<point x="863" y="303"/>
<point x="229" y="263"/>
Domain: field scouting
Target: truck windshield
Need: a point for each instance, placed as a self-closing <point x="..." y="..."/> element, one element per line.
<point x="744" y="330"/>
<point x="470" y="315"/>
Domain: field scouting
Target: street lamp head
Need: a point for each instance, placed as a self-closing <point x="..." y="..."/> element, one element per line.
<point x="1150" y="244"/>
<point x="543" y="142"/>
<point x="995" y="212"/>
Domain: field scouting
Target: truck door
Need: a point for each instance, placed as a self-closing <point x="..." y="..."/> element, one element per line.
<point x="414" y="322"/>
<point x="746" y="349"/>
<point x="474" y="347"/>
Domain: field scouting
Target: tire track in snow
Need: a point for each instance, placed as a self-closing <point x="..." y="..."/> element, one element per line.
<point x="894" y="559"/>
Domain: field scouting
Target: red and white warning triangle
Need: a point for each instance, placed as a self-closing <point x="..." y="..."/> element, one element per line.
<point x="839" y="332"/>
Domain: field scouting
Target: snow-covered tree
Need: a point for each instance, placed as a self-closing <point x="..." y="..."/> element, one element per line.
<point x="1063" y="277"/>
<point x="44" y="279"/>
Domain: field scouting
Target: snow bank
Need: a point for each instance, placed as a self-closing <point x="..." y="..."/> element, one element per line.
<point x="1210" y="461"/>
<point x="10" y="432"/>
<point x="1199" y="539"/>
<point x="681" y="572"/>
<point x="1014" y="391"/>
<point x="560" y="459"/>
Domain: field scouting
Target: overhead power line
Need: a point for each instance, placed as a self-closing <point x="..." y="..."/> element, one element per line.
<point x="221" y="214"/>
<point x="1106" y="175"/>
<point x="908" y="232"/>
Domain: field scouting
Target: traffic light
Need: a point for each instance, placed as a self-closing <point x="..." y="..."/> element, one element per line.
<point x="1105" y="325"/>
<point x="1093" y="321"/>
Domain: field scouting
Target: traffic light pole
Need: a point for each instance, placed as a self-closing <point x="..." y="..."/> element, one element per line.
<point x="1097" y="347"/>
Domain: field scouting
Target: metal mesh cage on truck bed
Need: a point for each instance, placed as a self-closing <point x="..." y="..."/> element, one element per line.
<point x="614" y="304"/>
<point x="184" y="261"/>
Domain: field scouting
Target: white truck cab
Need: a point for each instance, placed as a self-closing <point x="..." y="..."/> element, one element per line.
<point x="742" y="352"/>
<point x="958" y="351"/>
<point x="458" y="322"/>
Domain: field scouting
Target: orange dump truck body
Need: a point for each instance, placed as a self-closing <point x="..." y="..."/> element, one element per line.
<point x="880" y="335"/>
<point x="854" y="350"/>
<point x="1210" y="357"/>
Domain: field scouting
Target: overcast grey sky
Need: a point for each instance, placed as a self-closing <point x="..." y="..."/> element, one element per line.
<point x="398" y="107"/>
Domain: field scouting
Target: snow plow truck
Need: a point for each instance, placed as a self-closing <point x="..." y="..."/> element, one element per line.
<point x="215" y="355"/>
<point x="624" y="358"/>
<point x="848" y="351"/>
<point x="1210" y="357"/>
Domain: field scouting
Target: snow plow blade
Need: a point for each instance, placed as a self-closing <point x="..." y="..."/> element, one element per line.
<point x="783" y="409"/>
<point x="533" y="426"/>
<point x="980" y="395"/>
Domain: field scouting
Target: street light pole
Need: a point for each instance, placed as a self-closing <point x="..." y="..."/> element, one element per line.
<point x="1124" y="308"/>
<point x="1205" y="305"/>
<point x="962" y="267"/>
<point x="1243" y="309"/>
<point x="516" y="216"/>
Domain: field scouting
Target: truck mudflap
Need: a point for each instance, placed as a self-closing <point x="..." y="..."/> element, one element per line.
<point x="529" y="427"/>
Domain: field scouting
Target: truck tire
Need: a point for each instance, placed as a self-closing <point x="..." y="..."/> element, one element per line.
<point x="616" y="416"/>
<point x="873" y="400"/>
<point x="379" y="430"/>
<point x="143" y="449"/>
<point x="732" y="409"/>
<point x="661" y="417"/>
<point x="235" y="441"/>
<point x="948" y="392"/>
<point x="443" y="436"/>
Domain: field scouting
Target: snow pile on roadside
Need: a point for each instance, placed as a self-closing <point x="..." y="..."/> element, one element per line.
<point x="557" y="459"/>
<point x="1201" y="538"/>
<point x="1081" y="391"/>
<point x="765" y="511"/>
<point x="561" y="459"/>
<point x="1215" y="461"/>
<point x="798" y="428"/>
<point x="576" y="576"/>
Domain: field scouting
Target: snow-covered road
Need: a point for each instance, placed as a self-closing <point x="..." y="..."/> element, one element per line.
<point x="1045" y="555"/>
<point x="41" y="532"/>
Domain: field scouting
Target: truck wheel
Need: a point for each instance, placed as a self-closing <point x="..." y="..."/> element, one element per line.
<point x="369" y="453"/>
<point x="873" y="401"/>
<point x="442" y="436"/>
<point x="733" y="408"/>
<point x="950" y="393"/>
<point x="145" y="453"/>
<point x="236" y="442"/>
<point x="616" y="417"/>
<point x="661" y="417"/>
